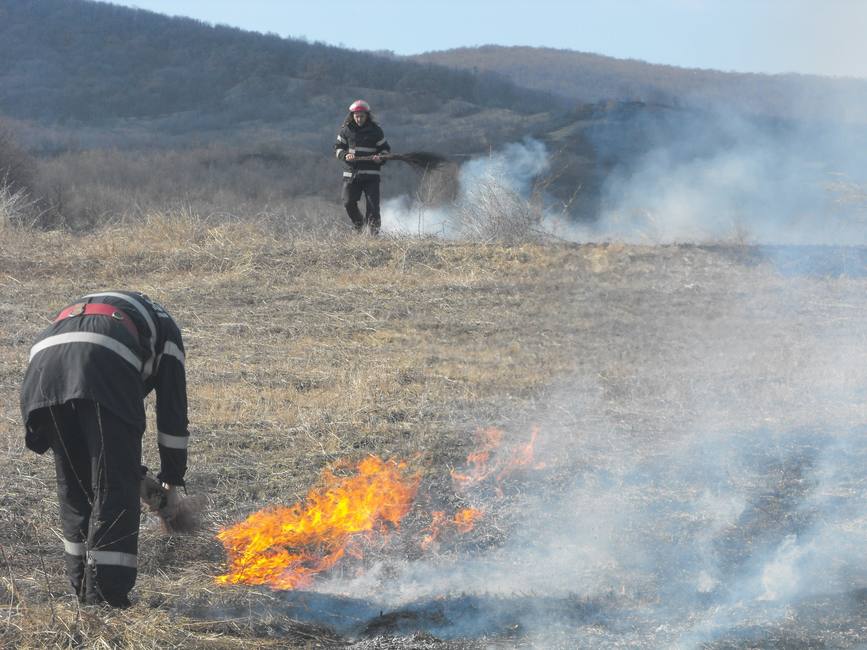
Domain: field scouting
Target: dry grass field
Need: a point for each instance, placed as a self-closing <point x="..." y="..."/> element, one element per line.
<point x="697" y="478"/>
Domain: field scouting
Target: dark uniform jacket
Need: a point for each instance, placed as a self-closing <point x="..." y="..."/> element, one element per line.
<point x="365" y="140"/>
<point x="95" y="357"/>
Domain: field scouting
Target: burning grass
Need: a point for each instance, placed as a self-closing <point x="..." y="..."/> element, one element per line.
<point x="286" y="548"/>
<point x="305" y="354"/>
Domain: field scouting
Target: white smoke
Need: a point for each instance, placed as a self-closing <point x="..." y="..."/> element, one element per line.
<point x="665" y="568"/>
<point x="751" y="193"/>
<point x="515" y="166"/>
<point x="781" y="575"/>
<point x="507" y="172"/>
<point x="701" y="530"/>
<point x="709" y="178"/>
<point x="716" y="522"/>
<point x="715" y="177"/>
<point x="403" y="215"/>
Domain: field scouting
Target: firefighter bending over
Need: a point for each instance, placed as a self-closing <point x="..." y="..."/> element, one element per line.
<point x="82" y="397"/>
<point x="360" y="145"/>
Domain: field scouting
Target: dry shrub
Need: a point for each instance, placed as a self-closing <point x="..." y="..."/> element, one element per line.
<point x="492" y="212"/>
<point x="438" y="186"/>
<point x="90" y="189"/>
<point x="16" y="207"/>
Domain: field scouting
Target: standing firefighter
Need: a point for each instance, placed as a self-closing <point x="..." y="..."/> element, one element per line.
<point x="82" y="397"/>
<point x="359" y="145"/>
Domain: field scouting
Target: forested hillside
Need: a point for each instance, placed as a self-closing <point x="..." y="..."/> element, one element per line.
<point x="127" y="111"/>
<point x="74" y="60"/>
<point x="147" y="64"/>
<point x="586" y="77"/>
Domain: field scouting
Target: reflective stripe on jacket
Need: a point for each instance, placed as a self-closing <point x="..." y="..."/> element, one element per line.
<point x="96" y="358"/>
<point x="366" y="140"/>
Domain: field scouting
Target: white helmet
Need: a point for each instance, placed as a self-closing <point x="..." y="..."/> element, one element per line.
<point x="359" y="106"/>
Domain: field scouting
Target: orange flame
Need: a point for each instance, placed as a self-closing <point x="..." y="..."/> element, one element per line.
<point x="521" y="457"/>
<point x="482" y="463"/>
<point x="285" y="547"/>
<point x="477" y="461"/>
<point x="438" y="518"/>
<point x="463" y="522"/>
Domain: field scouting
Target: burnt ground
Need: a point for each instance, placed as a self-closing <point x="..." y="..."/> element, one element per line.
<point x="697" y="479"/>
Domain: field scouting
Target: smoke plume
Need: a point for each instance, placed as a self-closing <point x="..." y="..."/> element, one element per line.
<point x="722" y="178"/>
<point x="490" y="198"/>
<point x="723" y="510"/>
<point x="697" y="176"/>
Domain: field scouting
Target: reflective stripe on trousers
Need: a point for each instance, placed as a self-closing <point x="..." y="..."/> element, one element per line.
<point x="97" y="459"/>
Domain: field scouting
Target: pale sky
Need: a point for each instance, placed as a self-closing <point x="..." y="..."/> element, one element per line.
<point x="826" y="37"/>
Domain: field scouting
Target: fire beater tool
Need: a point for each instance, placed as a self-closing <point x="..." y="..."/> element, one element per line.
<point x="419" y="159"/>
<point x="176" y="514"/>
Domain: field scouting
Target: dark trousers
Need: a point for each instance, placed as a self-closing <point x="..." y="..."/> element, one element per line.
<point x="97" y="457"/>
<point x="352" y="191"/>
